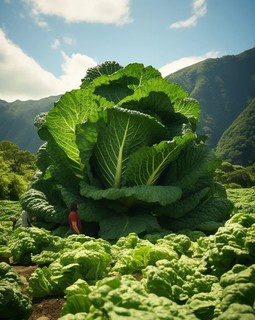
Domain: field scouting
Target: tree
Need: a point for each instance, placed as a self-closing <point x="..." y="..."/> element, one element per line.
<point x="16" y="170"/>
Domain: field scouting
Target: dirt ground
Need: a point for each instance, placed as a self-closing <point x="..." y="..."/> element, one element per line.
<point x="50" y="308"/>
<point x="43" y="309"/>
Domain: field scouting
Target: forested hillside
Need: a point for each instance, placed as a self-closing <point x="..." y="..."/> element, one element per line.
<point x="237" y="144"/>
<point x="17" y="121"/>
<point x="224" y="87"/>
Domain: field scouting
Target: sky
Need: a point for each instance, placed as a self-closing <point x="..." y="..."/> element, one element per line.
<point x="46" y="46"/>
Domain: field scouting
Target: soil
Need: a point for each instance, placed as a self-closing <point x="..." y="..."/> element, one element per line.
<point x="43" y="309"/>
<point x="50" y="308"/>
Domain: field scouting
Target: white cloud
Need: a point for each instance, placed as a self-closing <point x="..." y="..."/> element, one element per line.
<point x="92" y="11"/>
<point x="74" y="69"/>
<point x="41" y="23"/>
<point x="33" y="12"/>
<point x="185" y="62"/>
<point x="23" y="78"/>
<point x="55" y="44"/>
<point x="199" y="10"/>
<point x="69" y="41"/>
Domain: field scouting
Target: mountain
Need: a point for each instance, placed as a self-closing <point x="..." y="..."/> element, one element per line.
<point x="223" y="86"/>
<point x="237" y="144"/>
<point x="17" y="120"/>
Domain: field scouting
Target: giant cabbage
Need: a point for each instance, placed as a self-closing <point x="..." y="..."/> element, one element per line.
<point x="125" y="147"/>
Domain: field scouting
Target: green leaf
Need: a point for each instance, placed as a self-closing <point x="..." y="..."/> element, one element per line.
<point x="120" y="225"/>
<point x="125" y="131"/>
<point x="156" y="97"/>
<point x="147" y="164"/>
<point x="162" y="195"/>
<point x="86" y="137"/>
<point x="117" y="86"/>
<point x="107" y="68"/>
<point x="209" y="216"/>
<point x="66" y="172"/>
<point x="193" y="162"/>
<point x="73" y="108"/>
<point x="182" y="206"/>
<point x="188" y="107"/>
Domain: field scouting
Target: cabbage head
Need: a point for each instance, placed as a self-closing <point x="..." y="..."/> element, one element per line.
<point x="125" y="147"/>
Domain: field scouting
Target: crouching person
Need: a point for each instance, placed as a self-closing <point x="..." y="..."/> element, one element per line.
<point x="74" y="220"/>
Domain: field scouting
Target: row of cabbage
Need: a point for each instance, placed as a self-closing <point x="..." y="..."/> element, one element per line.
<point x="184" y="275"/>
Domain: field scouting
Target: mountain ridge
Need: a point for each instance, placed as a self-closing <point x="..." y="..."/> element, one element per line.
<point x="223" y="86"/>
<point x="17" y="121"/>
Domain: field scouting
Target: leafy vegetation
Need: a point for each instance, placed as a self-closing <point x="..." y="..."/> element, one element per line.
<point x="16" y="170"/>
<point x="235" y="176"/>
<point x="13" y="302"/>
<point x="121" y="298"/>
<point x="244" y="200"/>
<point x="125" y="147"/>
<point x="185" y="275"/>
<point x="9" y="209"/>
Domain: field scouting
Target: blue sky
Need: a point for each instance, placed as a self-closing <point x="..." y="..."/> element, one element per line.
<point x="46" y="46"/>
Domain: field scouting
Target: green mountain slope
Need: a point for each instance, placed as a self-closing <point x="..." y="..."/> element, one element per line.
<point x="237" y="144"/>
<point x="17" y="121"/>
<point x="223" y="86"/>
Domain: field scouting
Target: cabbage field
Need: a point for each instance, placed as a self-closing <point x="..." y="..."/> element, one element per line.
<point x="185" y="275"/>
<point x="162" y="238"/>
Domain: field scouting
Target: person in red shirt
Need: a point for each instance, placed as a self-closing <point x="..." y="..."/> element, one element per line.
<point x="74" y="220"/>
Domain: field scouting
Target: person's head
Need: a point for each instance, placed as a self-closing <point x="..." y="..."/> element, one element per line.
<point x="14" y="218"/>
<point x="74" y="206"/>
